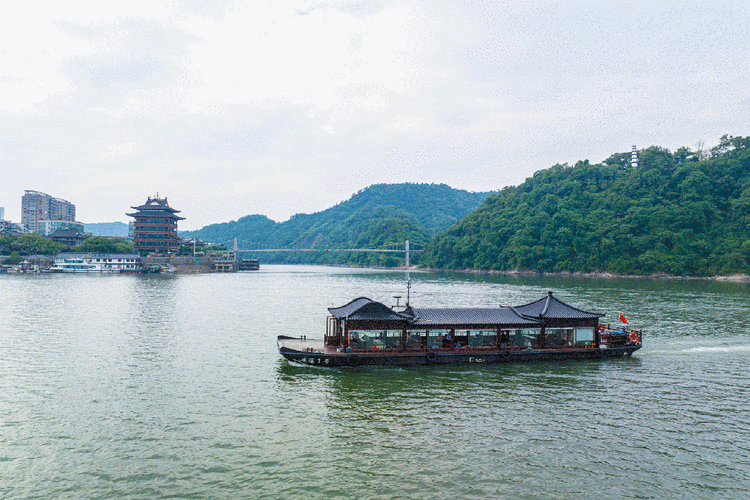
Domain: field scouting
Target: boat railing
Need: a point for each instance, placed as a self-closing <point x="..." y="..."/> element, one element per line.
<point x="621" y="337"/>
<point x="513" y="348"/>
<point x="613" y="338"/>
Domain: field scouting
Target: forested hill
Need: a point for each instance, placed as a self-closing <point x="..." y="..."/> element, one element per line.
<point x="682" y="213"/>
<point x="377" y="216"/>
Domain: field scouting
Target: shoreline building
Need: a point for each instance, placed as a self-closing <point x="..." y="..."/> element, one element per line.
<point x="48" y="227"/>
<point x="68" y="237"/>
<point x="8" y="228"/>
<point x="37" y="207"/>
<point x="155" y="227"/>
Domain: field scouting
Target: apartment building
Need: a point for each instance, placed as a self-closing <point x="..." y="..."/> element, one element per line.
<point x="37" y="207"/>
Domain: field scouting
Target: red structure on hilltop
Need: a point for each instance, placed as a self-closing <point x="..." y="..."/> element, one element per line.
<point x="156" y="227"/>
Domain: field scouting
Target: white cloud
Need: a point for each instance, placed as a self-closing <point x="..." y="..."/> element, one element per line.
<point x="233" y="108"/>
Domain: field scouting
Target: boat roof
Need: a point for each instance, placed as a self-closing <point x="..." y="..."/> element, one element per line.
<point x="548" y="311"/>
<point x="364" y="309"/>
<point x="470" y="317"/>
<point x="552" y="308"/>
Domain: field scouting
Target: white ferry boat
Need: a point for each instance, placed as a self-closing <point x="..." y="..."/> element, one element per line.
<point x="96" y="263"/>
<point x="78" y="266"/>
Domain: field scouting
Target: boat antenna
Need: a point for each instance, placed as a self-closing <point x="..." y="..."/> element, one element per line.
<point x="408" y="289"/>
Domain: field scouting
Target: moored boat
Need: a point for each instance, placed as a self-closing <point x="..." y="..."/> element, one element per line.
<point x="78" y="266"/>
<point x="366" y="332"/>
<point x="95" y="263"/>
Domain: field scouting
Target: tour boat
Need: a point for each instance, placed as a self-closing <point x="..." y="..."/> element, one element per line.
<point x="79" y="266"/>
<point x="96" y="263"/>
<point x="365" y="332"/>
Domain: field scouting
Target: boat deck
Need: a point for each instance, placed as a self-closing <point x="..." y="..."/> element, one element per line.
<point x="314" y="352"/>
<point x="316" y="346"/>
<point x="304" y="344"/>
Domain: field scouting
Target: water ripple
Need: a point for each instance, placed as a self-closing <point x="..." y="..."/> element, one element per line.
<point x="170" y="387"/>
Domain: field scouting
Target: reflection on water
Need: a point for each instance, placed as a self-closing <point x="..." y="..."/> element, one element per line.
<point x="171" y="386"/>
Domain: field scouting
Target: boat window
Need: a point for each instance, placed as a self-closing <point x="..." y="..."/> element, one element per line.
<point x="584" y="336"/>
<point x="430" y="339"/>
<point x="416" y="339"/>
<point x="333" y="331"/>
<point x="506" y="338"/>
<point x="559" y="336"/>
<point x="376" y="339"/>
<point x="393" y="339"/>
<point x="525" y="337"/>
<point x="482" y="338"/>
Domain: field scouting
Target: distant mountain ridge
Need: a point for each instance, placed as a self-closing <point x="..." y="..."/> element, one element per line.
<point x="107" y="229"/>
<point x="375" y="217"/>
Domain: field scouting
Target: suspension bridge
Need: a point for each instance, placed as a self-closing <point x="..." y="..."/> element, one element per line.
<point x="406" y="250"/>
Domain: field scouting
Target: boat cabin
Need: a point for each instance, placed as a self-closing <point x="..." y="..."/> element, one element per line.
<point x="562" y="324"/>
<point x="364" y="324"/>
<point x="548" y="323"/>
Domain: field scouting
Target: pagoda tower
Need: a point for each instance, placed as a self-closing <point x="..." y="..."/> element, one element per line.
<point x="155" y="228"/>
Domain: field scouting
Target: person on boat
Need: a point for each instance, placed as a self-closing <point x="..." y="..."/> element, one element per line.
<point x="504" y="339"/>
<point x="446" y="343"/>
<point x="542" y="339"/>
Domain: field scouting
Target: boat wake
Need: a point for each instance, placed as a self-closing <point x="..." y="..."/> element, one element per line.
<point x="720" y="348"/>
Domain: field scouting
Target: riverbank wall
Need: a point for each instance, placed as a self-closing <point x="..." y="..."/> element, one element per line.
<point x="182" y="264"/>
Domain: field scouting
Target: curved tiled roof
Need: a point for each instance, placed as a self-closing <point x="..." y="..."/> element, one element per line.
<point x="471" y="316"/>
<point x="154" y="207"/>
<point x="550" y="307"/>
<point x="533" y="314"/>
<point x="364" y="309"/>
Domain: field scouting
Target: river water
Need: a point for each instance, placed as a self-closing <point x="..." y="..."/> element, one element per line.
<point x="172" y="387"/>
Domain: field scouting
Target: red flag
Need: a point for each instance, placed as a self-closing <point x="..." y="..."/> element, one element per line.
<point x="623" y="319"/>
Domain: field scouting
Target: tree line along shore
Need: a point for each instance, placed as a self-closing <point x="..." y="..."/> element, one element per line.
<point x="676" y="214"/>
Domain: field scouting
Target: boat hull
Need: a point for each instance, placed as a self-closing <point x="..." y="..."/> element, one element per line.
<point x="84" y="271"/>
<point x="317" y="355"/>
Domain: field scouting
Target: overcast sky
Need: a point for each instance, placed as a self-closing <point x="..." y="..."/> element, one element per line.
<point x="281" y="107"/>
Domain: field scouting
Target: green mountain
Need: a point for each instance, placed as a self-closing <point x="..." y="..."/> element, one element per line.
<point x="683" y="213"/>
<point x="379" y="216"/>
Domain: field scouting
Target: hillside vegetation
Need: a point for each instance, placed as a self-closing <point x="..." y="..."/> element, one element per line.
<point x="380" y="216"/>
<point x="681" y="213"/>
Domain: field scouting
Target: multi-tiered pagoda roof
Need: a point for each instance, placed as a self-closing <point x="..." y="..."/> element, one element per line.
<point x="156" y="227"/>
<point x="156" y="206"/>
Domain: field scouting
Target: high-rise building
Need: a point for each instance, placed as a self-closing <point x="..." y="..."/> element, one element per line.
<point x="36" y="207"/>
<point x="2" y="213"/>
<point x="155" y="228"/>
